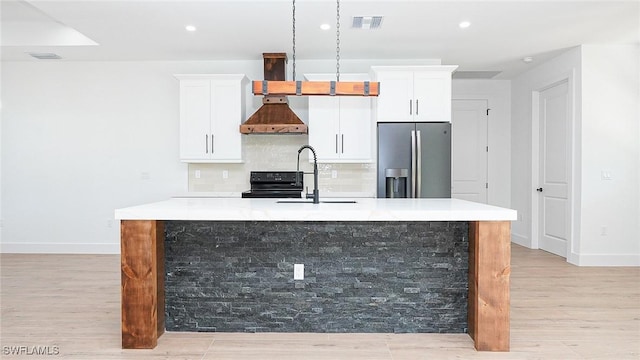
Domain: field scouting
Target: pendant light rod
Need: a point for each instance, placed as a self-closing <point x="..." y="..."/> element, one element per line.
<point x="337" y="40"/>
<point x="294" y="39"/>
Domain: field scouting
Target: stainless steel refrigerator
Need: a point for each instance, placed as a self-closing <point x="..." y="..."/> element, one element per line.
<point x="414" y="160"/>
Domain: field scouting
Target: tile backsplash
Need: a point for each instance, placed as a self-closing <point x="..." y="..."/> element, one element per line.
<point x="280" y="152"/>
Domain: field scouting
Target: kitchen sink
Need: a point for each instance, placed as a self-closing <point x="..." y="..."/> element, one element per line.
<point x="321" y="201"/>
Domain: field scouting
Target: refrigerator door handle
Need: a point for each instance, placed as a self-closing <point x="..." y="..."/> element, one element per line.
<point x="419" y="164"/>
<point x="413" y="163"/>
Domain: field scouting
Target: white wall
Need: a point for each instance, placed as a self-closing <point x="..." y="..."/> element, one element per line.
<point x="498" y="95"/>
<point x="1" y="220"/>
<point x="610" y="142"/>
<point x="79" y="140"/>
<point x="603" y="86"/>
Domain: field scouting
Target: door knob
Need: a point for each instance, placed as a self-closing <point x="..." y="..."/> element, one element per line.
<point x="539" y="189"/>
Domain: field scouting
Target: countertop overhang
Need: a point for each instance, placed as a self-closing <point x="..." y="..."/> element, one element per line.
<point x="365" y="209"/>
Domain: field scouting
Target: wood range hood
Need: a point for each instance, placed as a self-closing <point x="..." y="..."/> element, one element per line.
<point x="274" y="116"/>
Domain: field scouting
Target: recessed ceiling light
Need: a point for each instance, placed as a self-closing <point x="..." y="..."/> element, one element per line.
<point x="190" y="28"/>
<point x="527" y="59"/>
<point x="325" y="26"/>
<point x="464" y="24"/>
<point x="45" y="56"/>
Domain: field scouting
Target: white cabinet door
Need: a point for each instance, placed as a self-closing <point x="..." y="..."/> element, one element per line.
<point x="324" y="128"/>
<point x="226" y="109"/>
<point x="432" y="96"/>
<point x="395" y="102"/>
<point x="340" y="128"/>
<point x="211" y="110"/>
<point x="414" y="93"/>
<point x="355" y="128"/>
<point x="195" y="124"/>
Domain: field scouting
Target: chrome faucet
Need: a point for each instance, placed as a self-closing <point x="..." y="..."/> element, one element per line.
<point x="315" y="195"/>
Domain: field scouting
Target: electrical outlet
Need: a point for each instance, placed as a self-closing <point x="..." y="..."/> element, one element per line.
<point x="197" y="174"/>
<point x="334" y="174"/>
<point x="605" y="175"/>
<point x="298" y="271"/>
<point x="225" y="174"/>
<point x="145" y="175"/>
<point x="604" y="231"/>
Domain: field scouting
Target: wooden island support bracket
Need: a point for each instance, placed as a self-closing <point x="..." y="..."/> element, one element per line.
<point x="489" y="278"/>
<point x="142" y="281"/>
<point x="142" y="274"/>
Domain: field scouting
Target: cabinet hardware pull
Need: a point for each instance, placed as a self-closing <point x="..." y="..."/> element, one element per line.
<point x="342" y="145"/>
<point x="413" y="163"/>
<point x="336" y="143"/>
<point x="206" y="146"/>
<point x="418" y="160"/>
<point x="212" y="143"/>
<point x="410" y="107"/>
<point x="417" y="106"/>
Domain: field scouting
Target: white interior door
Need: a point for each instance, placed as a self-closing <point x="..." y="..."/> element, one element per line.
<point x="469" y="150"/>
<point x="553" y="185"/>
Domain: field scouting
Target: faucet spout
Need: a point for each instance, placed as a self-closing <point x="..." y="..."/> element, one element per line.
<point x="316" y="193"/>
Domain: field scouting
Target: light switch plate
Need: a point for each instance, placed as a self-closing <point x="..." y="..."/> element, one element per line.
<point x="298" y="271"/>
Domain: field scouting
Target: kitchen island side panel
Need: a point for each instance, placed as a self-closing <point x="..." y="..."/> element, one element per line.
<point x="142" y="283"/>
<point x="385" y="277"/>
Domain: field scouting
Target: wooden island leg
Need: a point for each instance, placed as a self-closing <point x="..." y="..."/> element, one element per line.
<point x="142" y="276"/>
<point x="489" y="273"/>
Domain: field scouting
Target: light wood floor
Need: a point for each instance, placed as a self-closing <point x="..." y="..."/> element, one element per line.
<point x="559" y="311"/>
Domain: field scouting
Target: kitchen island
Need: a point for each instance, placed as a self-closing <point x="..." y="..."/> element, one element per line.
<point x="368" y="223"/>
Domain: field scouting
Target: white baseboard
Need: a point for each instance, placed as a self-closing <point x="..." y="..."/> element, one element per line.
<point x="58" y="248"/>
<point x="606" y="259"/>
<point x="520" y="240"/>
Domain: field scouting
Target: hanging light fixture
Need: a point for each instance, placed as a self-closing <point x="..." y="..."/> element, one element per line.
<point x="309" y="88"/>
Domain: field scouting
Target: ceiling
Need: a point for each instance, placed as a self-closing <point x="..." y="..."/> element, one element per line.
<point x="501" y="34"/>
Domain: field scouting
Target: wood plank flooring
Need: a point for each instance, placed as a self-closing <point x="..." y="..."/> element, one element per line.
<point x="71" y="303"/>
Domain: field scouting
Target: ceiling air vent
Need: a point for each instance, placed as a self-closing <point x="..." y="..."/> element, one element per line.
<point x="367" y="22"/>
<point x="45" y="56"/>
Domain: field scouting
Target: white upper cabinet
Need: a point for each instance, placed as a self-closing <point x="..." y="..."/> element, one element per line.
<point x="340" y="127"/>
<point x="413" y="93"/>
<point x="211" y="111"/>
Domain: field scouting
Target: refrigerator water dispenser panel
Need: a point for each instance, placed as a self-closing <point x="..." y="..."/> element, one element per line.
<point x="396" y="182"/>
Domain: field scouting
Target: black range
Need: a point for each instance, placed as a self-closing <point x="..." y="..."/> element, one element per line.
<point x="274" y="184"/>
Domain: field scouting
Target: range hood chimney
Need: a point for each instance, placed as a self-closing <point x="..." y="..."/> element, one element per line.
<point x="274" y="116"/>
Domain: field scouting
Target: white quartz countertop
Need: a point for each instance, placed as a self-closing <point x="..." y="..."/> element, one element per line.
<point x="365" y="209"/>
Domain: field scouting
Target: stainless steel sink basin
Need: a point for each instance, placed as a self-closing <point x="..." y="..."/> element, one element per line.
<point x="311" y="201"/>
